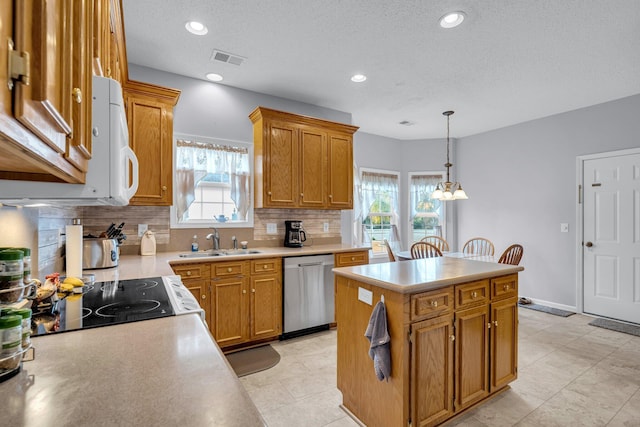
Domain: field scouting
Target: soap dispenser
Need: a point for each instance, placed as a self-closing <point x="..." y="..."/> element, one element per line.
<point x="194" y="244"/>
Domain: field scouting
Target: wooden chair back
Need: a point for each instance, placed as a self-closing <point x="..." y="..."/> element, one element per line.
<point x="512" y="255"/>
<point x="424" y="250"/>
<point x="478" y="246"/>
<point x="392" y="257"/>
<point x="437" y="241"/>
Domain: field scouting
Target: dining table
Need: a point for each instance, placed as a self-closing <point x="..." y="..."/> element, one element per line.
<point x="406" y="255"/>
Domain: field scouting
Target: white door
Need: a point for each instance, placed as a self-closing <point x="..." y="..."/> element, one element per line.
<point x="611" y="237"/>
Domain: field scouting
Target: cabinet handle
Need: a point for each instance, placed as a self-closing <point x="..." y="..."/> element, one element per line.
<point x="203" y="297"/>
<point x="452" y="337"/>
<point x="229" y="270"/>
<point x="265" y="266"/>
<point x="164" y="188"/>
<point x="253" y="291"/>
<point x="353" y="258"/>
<point x="505" y="287"/>
<point x="489" y="325"/>
<point x="268" y="193"/>
<point x="495" y="323"/>
<point x="474" y="294"/>
<point x="189" y="273"/>
<point x="77" y="95"/>
<point x="434" y="304"/>
<point x="244" y="291"/>
<point x="331" y="196"/>
<point x="301" y="195"/>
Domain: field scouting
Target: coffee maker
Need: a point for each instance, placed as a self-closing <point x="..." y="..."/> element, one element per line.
<point x="294" y="234"/>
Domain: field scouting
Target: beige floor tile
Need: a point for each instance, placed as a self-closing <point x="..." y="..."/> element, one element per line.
<point x="569" y="374"/>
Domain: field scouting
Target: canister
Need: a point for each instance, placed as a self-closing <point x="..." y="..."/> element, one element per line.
<point x="11" y="276"/>
<point x="25" y="314"/>
<point x="11" y="340"/>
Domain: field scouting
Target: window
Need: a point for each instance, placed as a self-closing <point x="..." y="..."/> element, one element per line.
<point x="426" y="214"/>
<point x="379" y="209"/>
<point x="212" y="183"/>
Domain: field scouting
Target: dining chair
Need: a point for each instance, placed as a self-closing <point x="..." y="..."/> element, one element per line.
<point x="512" y="255"/>
<point x="424" y="250"/>
<point x="437" y="241"/>
<point x="478" y="246"/>
<point x="392" y="257"/>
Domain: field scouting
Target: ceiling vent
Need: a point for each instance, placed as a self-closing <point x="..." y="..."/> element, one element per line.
<point x="227" y="57"/>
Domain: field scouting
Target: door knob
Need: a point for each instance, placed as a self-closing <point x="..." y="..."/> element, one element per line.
<point x="588" y="244"/>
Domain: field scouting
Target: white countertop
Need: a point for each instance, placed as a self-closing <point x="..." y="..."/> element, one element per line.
<point x="138" y="266"/>
<point x="160" y="372"/>
<point x="425" y="274"/>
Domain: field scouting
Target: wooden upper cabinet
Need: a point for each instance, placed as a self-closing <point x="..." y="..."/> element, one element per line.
<point x="45" y="101"/>
<point x="150" y="120"/>
<point x="301" y="162"/>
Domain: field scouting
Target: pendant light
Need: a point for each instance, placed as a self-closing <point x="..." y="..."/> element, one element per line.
<point x="448" y="190"/>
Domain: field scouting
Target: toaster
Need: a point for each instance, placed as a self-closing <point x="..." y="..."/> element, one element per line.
<point x="99" y="253"/>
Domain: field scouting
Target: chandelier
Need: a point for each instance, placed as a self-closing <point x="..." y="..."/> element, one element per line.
<point x="448" y="190"/>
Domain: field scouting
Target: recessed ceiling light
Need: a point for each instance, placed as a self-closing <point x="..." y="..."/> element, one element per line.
<point x="196" y="28"/>
<point x="452" y="19"/>
<point x="214" y="77"/>
<point x="358" y="78"/>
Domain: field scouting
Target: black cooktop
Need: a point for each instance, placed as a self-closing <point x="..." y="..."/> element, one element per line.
<point x="102" y="304"/>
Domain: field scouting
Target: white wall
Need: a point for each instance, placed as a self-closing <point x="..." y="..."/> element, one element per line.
<point x="521" y="182"/>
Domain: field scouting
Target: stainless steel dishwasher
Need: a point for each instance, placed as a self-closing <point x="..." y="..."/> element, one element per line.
<point x="308" y="294"/>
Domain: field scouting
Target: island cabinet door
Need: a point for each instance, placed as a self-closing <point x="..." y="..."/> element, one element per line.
<point x="432" y="371"/>
<point x="472" y="355"/>
<point x="504" y="339"/>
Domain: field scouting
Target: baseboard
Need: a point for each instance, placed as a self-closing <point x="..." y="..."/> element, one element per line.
<point x="555" y="305"/>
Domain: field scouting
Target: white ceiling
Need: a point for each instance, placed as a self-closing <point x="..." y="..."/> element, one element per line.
<point x="510" y="61"/>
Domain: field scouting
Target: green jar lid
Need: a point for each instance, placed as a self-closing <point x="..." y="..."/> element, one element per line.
<point x="25" y="313"/>
<point x="10" y="321"/>
<point x="11" y="255"/>
<point x="25" y="251"/>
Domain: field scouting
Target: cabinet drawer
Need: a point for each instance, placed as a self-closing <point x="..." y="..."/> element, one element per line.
<point x="191" y="271"/>
<point x="431" y="304"/>
<point x="268" y="265"/>
<point x="472" y="294"/>
<point x="345" y="259"/>
<point x="504" y="287"/>
<point x="228" y="269"/>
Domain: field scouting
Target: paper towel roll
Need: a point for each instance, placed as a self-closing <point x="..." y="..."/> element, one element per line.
<point x="74" y="250"/>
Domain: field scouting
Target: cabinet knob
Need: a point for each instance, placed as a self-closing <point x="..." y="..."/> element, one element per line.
<point x="495" y="323"/>
<point x="189" y="273"/>
<point x="331" y="196"/>
<point x="452" y="337"/>
<point x="353" y="258"/>
<point x="253" y="291"/>
<point x="434" y="304"/>
<point x="164" y="188"/>
<point x="474" y="294"/>
<point x="229" y="270"/>
<point x="489" y="325"/>
<point x="268" y="193"/>
<point x="203" y="297"/>
<point x="244" y="291"/>
<point x="265" y="266"/>
<point x="505" y="287"/>
<point x="77" y="95"/>
<point x="301" y="195"/>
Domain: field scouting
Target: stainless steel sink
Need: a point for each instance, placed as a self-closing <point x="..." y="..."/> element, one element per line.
<point x="200" y="254"/>
<point x="229" y="252"/>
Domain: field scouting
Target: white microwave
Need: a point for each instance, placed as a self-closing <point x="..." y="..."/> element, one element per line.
<point x="108" y="181"/>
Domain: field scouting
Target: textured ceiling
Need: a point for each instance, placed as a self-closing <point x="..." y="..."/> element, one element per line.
<point x="510" y="61"/>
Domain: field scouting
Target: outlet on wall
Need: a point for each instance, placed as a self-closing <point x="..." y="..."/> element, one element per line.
<point x="325" y="227"/>
<point x="271" y="228"/>
<point x="564" y="227"/>
<point x="142" y="228"/>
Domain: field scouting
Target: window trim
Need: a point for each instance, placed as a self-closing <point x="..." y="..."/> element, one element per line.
<point x="212" y="223"/>
<point x="409" y="234"/>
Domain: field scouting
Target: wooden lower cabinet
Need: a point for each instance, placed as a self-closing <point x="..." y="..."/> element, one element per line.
<point x="242" y="299"/>
<point x="451" y="348"/>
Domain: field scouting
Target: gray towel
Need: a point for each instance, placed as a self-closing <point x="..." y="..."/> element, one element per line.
<point x="380" y="341"/>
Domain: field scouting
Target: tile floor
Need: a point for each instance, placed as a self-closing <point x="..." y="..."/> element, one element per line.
<point x="570" y="374"/>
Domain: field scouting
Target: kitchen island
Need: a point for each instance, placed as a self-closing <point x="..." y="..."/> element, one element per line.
<point x="160" y="372"/>
<point x="452" y="325"/>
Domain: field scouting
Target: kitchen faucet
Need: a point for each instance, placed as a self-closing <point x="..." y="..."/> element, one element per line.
<point x="216" y="239"/>
<point x="235" y="243"/>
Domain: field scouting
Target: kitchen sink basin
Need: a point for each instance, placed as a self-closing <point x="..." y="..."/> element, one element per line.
<point x="229" y="252"/>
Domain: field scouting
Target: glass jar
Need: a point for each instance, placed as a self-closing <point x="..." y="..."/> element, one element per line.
<point x="11" y="341"/>
<point x="26" y="264"/>
<point x="25" y="314"/>
<point x="11" y="276"/>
